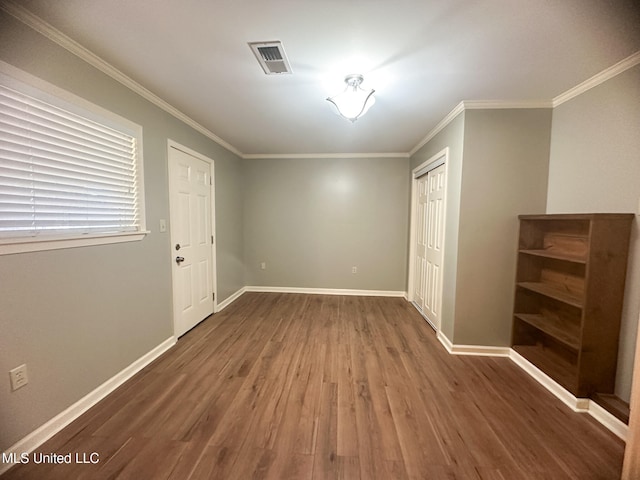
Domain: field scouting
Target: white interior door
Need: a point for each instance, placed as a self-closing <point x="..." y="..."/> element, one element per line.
<point x="429" y="244"/>
<point x="190" y="187"/>
<point x="421" y="241"/>
<point x="433" y="250"/>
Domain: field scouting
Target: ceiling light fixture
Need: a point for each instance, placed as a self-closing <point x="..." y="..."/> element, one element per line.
<point x="354" y="101"/>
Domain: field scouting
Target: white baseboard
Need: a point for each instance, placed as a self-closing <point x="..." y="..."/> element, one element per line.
<point x="312" y="291"/>
<point x="576" y="404"/>
<point x="618" y="427"/>
<point x="327" y="291"/>
<point x="583" y="405"/>
<point x="477" y="350"/>
<point x="230" y="299"/>
<point x="480" y="350"/>
<point x="445" y="341"/>
<point x="57" y="423"/>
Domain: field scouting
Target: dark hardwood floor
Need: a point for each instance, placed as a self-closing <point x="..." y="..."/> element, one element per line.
<point x="290" y="386"/>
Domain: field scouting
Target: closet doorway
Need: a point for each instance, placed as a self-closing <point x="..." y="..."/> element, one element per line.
<point x="428" y="210"/>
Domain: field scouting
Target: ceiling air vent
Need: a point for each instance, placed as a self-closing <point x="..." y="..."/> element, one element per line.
<point x="271" y="56"/>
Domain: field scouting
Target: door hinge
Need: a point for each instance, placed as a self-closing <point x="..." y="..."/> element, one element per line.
<point x="212" y="239"/>
<point x="213" y="296"/>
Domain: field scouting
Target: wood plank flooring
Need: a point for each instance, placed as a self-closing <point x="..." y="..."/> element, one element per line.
<point x="291" y="386"/>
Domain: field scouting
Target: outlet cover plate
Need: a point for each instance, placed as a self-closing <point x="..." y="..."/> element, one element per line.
<point x="18" y="377"/>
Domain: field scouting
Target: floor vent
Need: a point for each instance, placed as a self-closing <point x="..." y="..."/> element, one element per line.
<point x="271" y="57"/>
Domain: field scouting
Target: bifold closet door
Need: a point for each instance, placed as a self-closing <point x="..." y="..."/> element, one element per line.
<point x="429" y="244"/>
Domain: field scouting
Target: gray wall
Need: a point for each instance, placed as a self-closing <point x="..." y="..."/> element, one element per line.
<point x="312" y="220"/>
<point x="79" y="316"/>
<point x="498" y="168"/>
<point x="452" y="136"/>
<point x="595" y="167"/>
<point x="506" y="157"/>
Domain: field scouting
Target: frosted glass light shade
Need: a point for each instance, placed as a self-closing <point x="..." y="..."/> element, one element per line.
<point x="354" y="101"/>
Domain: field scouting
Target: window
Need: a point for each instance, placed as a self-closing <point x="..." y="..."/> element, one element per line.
<point x="69" y="175"/>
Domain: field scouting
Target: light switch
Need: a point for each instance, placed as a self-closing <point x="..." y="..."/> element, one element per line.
<point x="163" y="225"/>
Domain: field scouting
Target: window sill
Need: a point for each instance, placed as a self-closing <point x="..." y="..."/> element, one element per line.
<point x="22" y="245"/>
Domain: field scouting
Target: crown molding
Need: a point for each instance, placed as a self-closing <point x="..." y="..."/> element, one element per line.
<point x="254" y="156"/>
<point x="56" y="36"/>
<point x="53" y="34"/>
<point x="457" y="110"/>
<point x="505" y="104"/>
<point x="597" y="79"/>
<point x="478" y="105"/>
<point x="607" y="74"/>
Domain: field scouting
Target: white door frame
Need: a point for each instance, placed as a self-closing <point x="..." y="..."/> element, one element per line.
<point x="214" y="269"/>
<point x="440" y="158"/>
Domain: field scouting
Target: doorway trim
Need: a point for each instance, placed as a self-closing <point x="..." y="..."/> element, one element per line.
<point x="440" y="158"/>
<point x="214" y="271"/>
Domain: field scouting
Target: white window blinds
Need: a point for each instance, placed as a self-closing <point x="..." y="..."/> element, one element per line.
<point x="62" y="173"/>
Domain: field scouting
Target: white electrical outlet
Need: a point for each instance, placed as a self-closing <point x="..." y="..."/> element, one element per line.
<point x="354" y="269"/>
<point x="263" y="266"/>
<point x="18" y="377"/>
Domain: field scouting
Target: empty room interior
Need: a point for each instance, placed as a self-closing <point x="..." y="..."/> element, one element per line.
<point x="315" y="240"/>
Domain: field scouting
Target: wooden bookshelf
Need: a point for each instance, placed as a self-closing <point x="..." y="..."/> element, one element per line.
<point x="554" y="292"/>
<point x="556" y="328"/>
<point x="568" y="298"/>
<point x="614" y="405"/>
<point x="550" y="362"/>
<point x="556" y="255"/>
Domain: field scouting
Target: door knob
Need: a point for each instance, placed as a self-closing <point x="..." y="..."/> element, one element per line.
<point x="179" y="260"/>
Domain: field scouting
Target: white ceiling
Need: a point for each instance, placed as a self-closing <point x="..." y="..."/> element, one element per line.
<point x="421" y="56"/>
